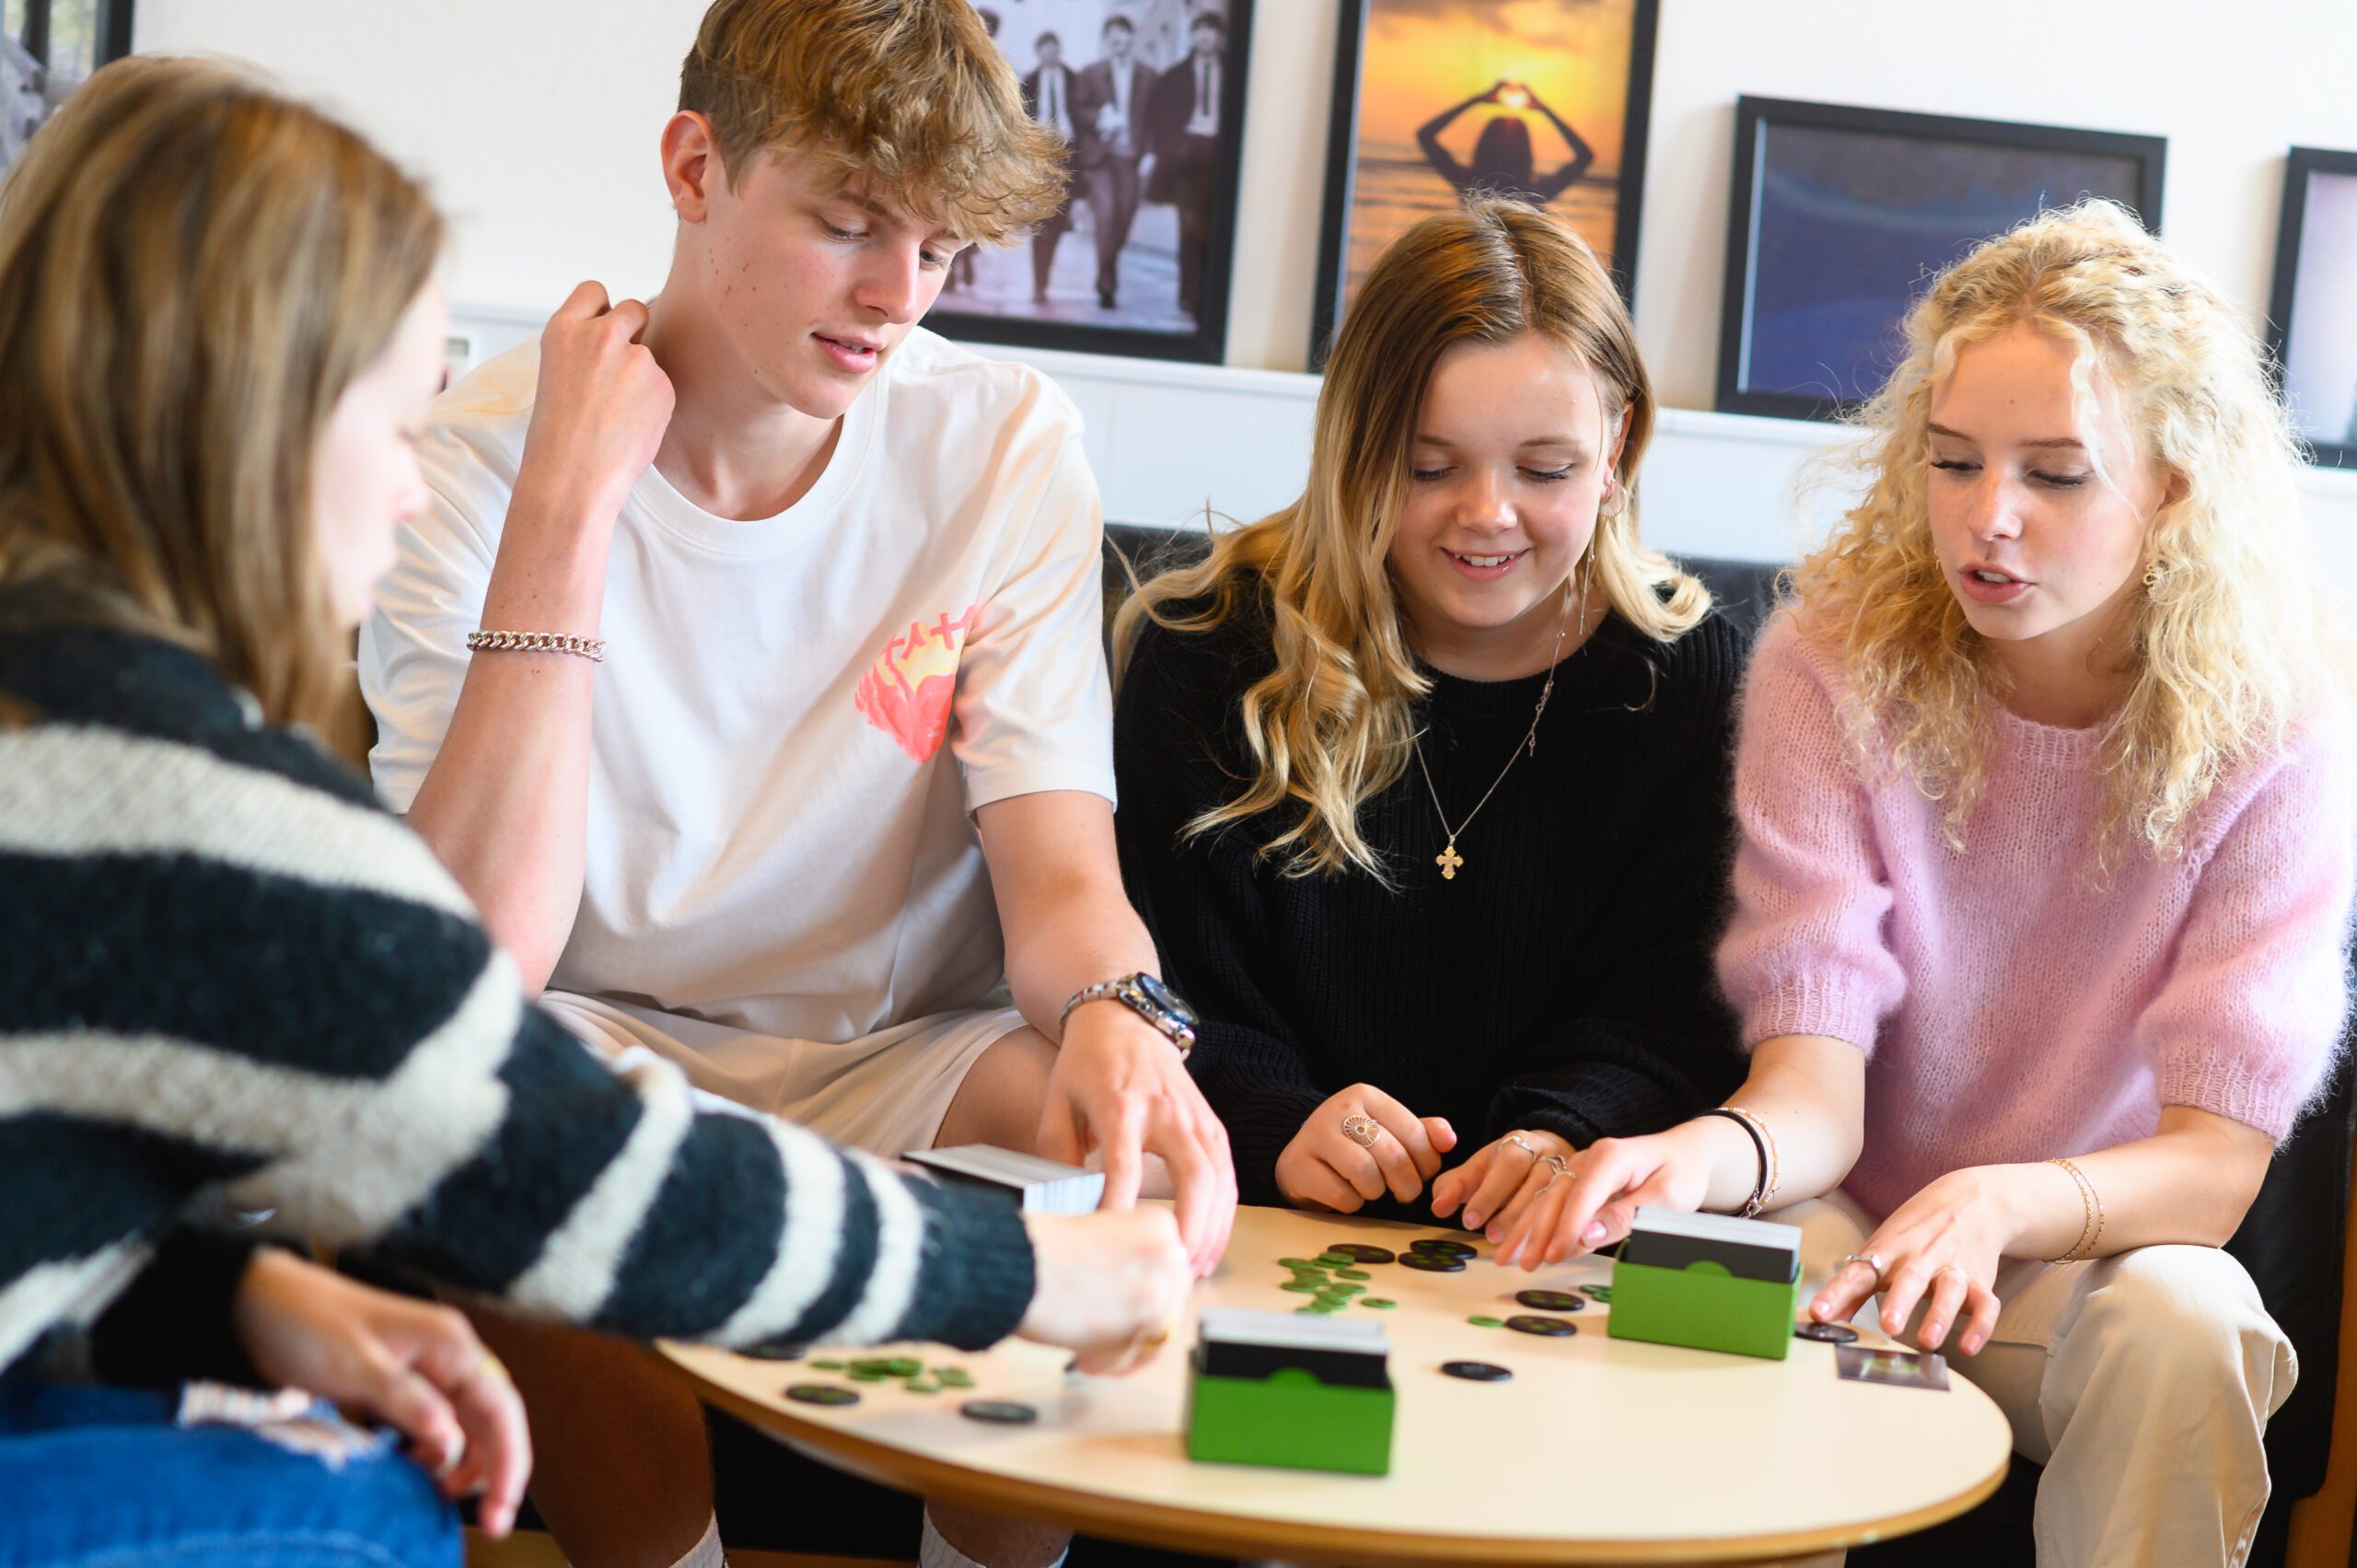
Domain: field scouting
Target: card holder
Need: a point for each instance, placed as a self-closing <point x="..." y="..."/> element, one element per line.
<point x="1290" y="1420"/>
<point x="1703" y="1307"/>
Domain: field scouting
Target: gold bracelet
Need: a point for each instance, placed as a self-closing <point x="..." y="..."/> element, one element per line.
<point x="591" y="649"/>
<point x="2091" y="1226"/>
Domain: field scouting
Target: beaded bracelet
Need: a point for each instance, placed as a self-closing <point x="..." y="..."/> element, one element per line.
<point x="2091" y="1226"/>
<point x="591" y="649"/>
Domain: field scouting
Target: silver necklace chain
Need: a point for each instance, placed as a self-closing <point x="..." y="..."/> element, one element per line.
<point x="1448" y="860"/>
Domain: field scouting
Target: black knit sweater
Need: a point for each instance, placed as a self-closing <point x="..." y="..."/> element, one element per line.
<point x="230" y="981"/>
<point x="1560" y="981"/>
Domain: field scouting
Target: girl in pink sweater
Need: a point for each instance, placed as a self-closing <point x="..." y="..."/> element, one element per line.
<point x="2045" y="788"/>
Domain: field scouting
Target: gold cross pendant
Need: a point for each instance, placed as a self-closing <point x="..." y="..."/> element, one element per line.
<point x="1448" y="860"/>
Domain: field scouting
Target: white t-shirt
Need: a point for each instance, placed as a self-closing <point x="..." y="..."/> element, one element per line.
<point x="796" y="715"/>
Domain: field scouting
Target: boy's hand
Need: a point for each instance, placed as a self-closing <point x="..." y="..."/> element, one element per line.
<point x="599" y="412"/>
<point x="1120" y="1089"/>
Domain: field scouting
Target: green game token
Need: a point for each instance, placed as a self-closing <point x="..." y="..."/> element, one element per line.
<point x="859" y="1377"/>
<point x="1344" y="1290"/>
<point x="871" y="1363"/>
<point x="922" y="1385"/>
<point x="1378" y="1302"/>
<point x="827" y="1366"/>
<point x="1314" y="1309"/>
<point x="1487" y="1322"/>
<point x="1304" y="1287"/>
<point x="1597" y="1292"/>
<point x="1335" y="1261"/>
<point x="1295" y="1263"/>
<point x="954" y="1377"/>
<point x="1352" y="1274"/>
<point x="904" y="1366"/>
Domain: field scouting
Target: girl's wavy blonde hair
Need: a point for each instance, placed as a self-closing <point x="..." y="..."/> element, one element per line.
<point x="192" y="268"/>
<point x="2225" y="640"/>
<point x="1331" y="725"/>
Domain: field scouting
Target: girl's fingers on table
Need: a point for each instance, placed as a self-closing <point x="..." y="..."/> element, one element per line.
<point x="1454" y="1185"/>
<point x="1903" y="1287"/>
<point x="1844" y="1292"/>
<point x="1981" y="1319"/>
<point x="1502" y="1175"/>
<point x="1949" y="1287"/>
<point x="1520" y="1194"/>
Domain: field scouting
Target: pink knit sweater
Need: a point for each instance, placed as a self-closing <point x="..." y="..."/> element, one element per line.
<point x="2009" y="1012"/>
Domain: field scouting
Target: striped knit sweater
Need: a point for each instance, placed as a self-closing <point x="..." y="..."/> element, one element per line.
<point x="230" y="981"/>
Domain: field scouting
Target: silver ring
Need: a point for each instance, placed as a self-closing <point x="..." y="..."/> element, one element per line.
<point x="1361" y="1129"/>
<point x="1871" y="1260"/>
<point x="1516" y="1139"/>
<point x="1560" y="1165"/>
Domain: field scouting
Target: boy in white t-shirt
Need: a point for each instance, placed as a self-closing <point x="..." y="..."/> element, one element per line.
<point x="831" y="824"/>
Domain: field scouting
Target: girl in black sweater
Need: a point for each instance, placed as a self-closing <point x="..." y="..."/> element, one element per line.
<point x="230" y="983"/>
<point x="1423" y="779"/>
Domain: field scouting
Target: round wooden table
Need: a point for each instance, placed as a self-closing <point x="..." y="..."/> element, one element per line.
<point x="1598" y="1450"/>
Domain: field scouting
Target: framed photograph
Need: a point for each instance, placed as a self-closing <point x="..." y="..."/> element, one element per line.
<point x="1149" y="96"/>
<point x="1438" y="100"/>
<point x="2312" y="315"/>
<point x="47" y="49"/>
<point x="1839" y="215"/>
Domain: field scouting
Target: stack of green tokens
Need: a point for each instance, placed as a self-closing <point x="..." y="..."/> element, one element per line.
<point x="907" y="1370"/>
<point x="1334" y="1278"/>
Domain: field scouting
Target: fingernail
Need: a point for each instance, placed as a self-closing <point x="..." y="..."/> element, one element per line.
<point x="1970" y="1344"/>
<point x="1932" y="1333"/>
<point x="1595" y="1232"/>
<point x="1472" y="1220"/>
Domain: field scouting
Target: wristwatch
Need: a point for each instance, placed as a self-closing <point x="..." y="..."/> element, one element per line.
<point x="1145" y="995"/>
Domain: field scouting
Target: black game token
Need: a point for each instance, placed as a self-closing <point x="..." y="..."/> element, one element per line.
<point x="1442" y="1244"/>
<point x="1826" y="1334"/>
<point x="1360" y="1252"/>
<point x="1000" y="1412"/>
<point x="1552" y="1300"/>
<point x="820" y="1394"/>
<point x="774" y="1353"/>
<point x="1475" y="1371"/>
<point x="1433" y="1263"/>
<point x="1545" y="1327"/>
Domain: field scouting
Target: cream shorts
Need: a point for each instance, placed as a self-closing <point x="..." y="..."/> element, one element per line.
<point x="886" y="1093"/>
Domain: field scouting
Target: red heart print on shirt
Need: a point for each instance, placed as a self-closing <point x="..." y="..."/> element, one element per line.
<point x="907" y="691"/>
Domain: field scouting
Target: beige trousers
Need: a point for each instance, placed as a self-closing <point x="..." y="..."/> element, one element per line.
<point x="2142" y="1382"/>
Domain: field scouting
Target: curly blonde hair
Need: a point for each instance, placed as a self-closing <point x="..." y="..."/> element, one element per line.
<point x="1331" y="725"/>
<point x="2226" y="640"/>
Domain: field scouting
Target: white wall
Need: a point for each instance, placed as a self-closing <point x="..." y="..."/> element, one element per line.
<point x="536" y="120"/>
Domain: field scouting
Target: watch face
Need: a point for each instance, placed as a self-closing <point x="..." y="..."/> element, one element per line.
<point x="1167" y="999"/>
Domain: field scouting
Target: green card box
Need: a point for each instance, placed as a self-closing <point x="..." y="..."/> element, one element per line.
<point x="1290" y="1420"/>
<point x="1276" y="1388"/>
<point x="1703" y="1302"/>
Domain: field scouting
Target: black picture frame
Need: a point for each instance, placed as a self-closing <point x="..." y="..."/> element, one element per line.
<point x="2301" y="168"/>
<point x="1342" y="170"/>
<point x="1746" y="385"/>
<point x="1206" y="341"/>
<point x="33" y="81"/>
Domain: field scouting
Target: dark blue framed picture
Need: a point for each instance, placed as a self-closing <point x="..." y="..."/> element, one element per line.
<point x="2311" y="315"/>
<point x="1840" y="215"/>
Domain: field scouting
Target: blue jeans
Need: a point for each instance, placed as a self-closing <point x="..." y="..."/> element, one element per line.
<point x="101" y="1477"/>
